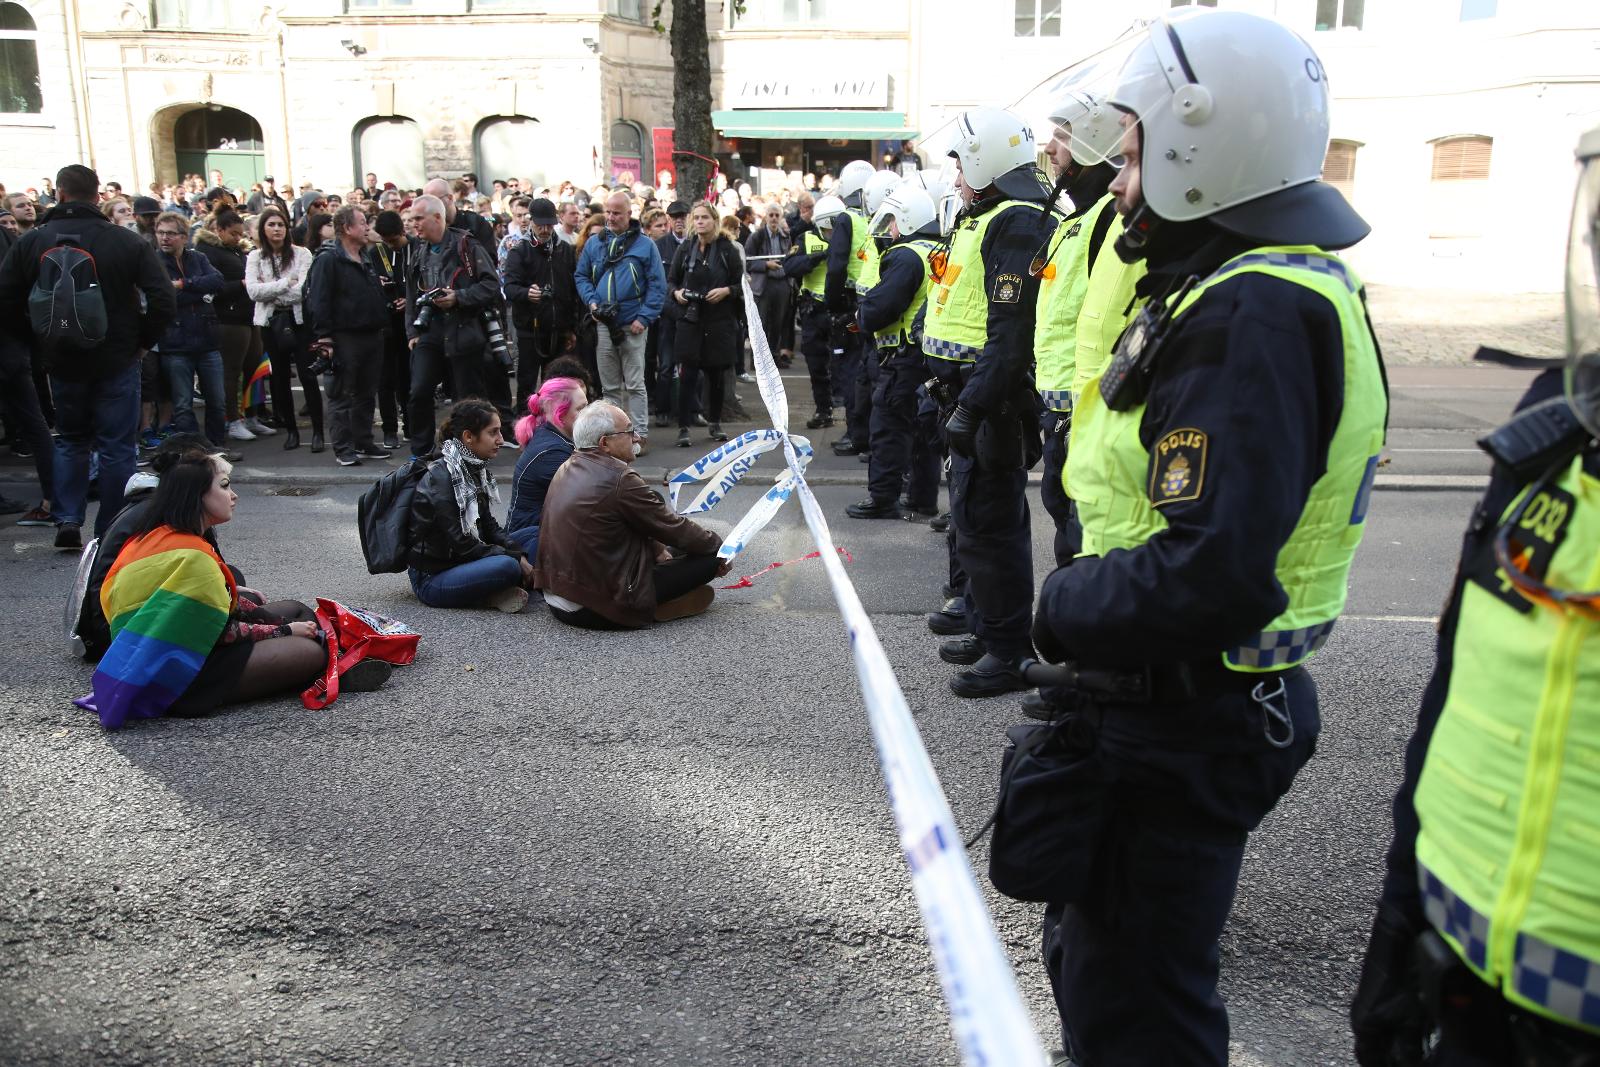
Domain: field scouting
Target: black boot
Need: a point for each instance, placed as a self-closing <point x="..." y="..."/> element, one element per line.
<point x="873" y="509"/>
<point x="822" y="419"/>
<point x="845" y="447"/>
<point x="291" y="438"/>
<point x="961" y="650"/>
<point x="951" y="619"/>
<point x="316" y="440"/>
<point x="991" y="676"/>
<point x="940" y="524"/>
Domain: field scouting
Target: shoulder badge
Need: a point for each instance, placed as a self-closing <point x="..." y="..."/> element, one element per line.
<point x="1178" y="467"/>
<point x="1008" y="289"/>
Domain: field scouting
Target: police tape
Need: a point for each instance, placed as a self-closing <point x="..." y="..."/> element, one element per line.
<point x="990" y="1022"/>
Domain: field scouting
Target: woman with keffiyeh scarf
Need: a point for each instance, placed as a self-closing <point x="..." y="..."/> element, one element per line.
<point x="460" y="557"/>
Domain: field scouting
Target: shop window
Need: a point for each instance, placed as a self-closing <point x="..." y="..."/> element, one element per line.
<point x="1340" y="14"/>
<point x="204" y="14"/>
<point x="778" y="12"/>
<point x="391" y="148"/>
<point x="627" y="153"/>
<point x="19" y="62"/>
<point x="1339" y="167"/>
<point x="627" y="10"/>
<point x="1472" y="10"/>
<point x="1038" y="18"/>
<point x="509" y="146"/>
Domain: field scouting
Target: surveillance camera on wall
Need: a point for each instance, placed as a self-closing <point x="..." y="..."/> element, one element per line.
<point x="353" y="48"/>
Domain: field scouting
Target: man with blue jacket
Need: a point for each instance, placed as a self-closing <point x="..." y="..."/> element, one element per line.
<point x="621" y="279"/>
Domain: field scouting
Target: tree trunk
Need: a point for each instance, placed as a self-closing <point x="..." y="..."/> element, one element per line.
<point x="691" y="104"/>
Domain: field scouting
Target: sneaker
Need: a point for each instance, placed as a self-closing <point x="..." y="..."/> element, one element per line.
<point x="391" y="442"/>
<point x="37" y="516"/>
<point x="747" y="378"/>
<point x="510" y="600"/>
<point x="715" y="432"/>
<point x="149" y="439"/>
<point x="69" y="536"/>
<point x="238" y="431"/>
<point x="232" y="455"/>
<point x="699" y="419"/>
<point x="510" y="445"/>
<point x="351" y="460"/>
<point x="373" y="453"/>
<point x="365" y="677"/>
<point x="257" y="427"/>
<point x="694" y="602"/>
<point x="22" y="449"/>
<point x="663" y="421"/>
<point x="683" y="438"/>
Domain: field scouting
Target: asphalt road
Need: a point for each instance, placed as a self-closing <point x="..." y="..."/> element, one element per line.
<point x="548" y="846"/>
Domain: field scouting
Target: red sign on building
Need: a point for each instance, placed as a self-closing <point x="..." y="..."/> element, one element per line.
<point x="661" y="146"/>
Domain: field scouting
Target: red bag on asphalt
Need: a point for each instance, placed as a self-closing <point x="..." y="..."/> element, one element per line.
<point x="353" y="635"/>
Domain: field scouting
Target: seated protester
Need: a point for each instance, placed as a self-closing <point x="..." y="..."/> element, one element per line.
<point x="603" y="545"/>
<point x="182" y="641"/>
<point x="545" y="434"/>
<point x="460" y="557"/>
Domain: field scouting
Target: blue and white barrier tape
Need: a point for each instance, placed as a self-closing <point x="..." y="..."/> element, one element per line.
<point x="991" y="1025"/>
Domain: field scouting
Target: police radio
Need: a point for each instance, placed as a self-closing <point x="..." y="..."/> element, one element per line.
<point x="1126" y="381"/>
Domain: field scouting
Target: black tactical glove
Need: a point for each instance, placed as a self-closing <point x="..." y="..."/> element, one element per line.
<point x="1387" y="1016"/>
<point x="962" y="431"/>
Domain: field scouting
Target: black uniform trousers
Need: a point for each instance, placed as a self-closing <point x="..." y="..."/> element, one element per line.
<point x="1069" y="534"/>
<point x="357" y="364"/>
<point x="1133" y="963"/>
<point x="431" y="367"/>
<point x="816" y="347"/>
<point x="994" y="544"/>
<point x="893" y="422"/>
<point x="855" y="369"/>
<point x="927" y="453"/>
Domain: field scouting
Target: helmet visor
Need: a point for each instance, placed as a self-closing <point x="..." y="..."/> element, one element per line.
<point x="880" y="222"/>
<point x="1583" y="298"/>
<point x="1076" y="103"/>
<point x="950" y="208"/>
<point x="1152" y="73"/>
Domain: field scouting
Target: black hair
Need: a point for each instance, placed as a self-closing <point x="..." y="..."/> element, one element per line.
<point x="314" y="225"/>
<point x="225" y="218"/>
<point x="179" y="499"/>
<point x="77" y="182"/>
<point x="283" y="260"/>
<point x="570" y="367"/>
<point x="389" y="224"/>
<point x="468" y="416"/>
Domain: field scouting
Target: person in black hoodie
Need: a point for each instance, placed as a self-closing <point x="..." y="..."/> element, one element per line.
<point x="222" y="242"/>
<point x="97" y="391"/>
<point x="539" y="285"/>
<point x="388" y="257"/>
<point x="349" y="313"/>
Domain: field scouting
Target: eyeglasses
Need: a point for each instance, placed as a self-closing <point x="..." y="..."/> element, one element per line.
<point x="168" y="233"/>
<point x="630" y="431"/>
<point x="1542" y="515"/>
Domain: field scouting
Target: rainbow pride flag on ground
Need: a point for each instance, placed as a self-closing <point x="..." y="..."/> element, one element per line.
<point x="167" y="597"/>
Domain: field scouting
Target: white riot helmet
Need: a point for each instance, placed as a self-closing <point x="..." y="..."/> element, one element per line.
<point x="1233" y="110"/>
<point x="1077" y="102"/>
<point x="913" y="210"/>
<point x="827" y="209"/>
<point x="877" y="188"/>
<point x="853" y="178"/>
<point x="1583" y="288"/>
<point x="991" y="141"/>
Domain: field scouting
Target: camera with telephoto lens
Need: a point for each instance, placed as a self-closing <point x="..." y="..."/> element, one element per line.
<point x="497" y="336"/>
<point x="609" y="316"/>
<point x="424" y="311"/>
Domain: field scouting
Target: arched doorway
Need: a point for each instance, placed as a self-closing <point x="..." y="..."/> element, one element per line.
<point x="509" y="146"/>
<point x="207" y="139"/>
<point x="391" y="148"/>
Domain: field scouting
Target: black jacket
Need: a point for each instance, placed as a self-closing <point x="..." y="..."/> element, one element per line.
<point x="481" y="229"/>
<point x="343" y="294"/>
<point x="712" y="342"/>
<point x="139" y="297"/>
<point x="389" y="266"/>
<point x="232" y="304"/>
<point x="477" y="287"/>
<point x="548" y="265"/>
<point x="437" y="542"/>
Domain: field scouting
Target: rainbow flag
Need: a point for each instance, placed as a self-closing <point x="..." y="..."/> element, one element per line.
<point x="254" y="392"/>
<point x="167" y="597"/>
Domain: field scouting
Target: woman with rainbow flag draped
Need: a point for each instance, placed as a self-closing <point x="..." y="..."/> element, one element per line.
<point x="181" y="642"/>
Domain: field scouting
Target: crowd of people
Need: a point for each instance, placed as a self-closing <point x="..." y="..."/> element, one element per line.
<point x="1167" y="329"/>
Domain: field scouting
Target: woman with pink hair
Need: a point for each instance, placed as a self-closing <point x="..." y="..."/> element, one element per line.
<point x="545" y="434"/>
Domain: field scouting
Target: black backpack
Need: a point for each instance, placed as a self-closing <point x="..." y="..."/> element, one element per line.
<point x="383" y="515"/>
<point x="67" y="307"/>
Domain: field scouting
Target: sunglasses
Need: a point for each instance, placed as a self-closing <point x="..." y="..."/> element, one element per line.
<point x="1541" y="514"/>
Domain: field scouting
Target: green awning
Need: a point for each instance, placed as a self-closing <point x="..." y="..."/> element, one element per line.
<point x="814" y="125"/>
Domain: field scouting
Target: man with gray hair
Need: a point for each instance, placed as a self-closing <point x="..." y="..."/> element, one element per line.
<point x="606" y="538"/>
<point x="622" y="282"/>
<point x="450" y="283"/>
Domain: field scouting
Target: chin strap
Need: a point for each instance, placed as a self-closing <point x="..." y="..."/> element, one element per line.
<point x="1134" y="241"/>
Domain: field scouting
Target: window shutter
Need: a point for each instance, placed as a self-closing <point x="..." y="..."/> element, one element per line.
<point x="1462" y="159"/>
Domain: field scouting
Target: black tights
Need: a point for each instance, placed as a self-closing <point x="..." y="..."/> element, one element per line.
<point x="279" y="664"/>
<point x="282" y="385"/>
<point x="689" y="383"/>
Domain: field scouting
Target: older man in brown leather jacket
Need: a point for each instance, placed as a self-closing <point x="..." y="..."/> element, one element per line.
<point x="604" y="545"/>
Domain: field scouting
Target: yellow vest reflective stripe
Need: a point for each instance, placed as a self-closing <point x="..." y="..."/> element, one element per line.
<point x="956" y="326"/>
<point x="812" y="284"/>
<point x="1509" y="798"/>
<point x="1108" y="469"/>
<point x="1108" y="306"/>
<point x="895" y="335"/>
<point x="862" y="270"/>
<point x="1062" y="286"/>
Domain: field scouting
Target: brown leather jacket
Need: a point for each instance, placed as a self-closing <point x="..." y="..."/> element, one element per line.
<point x="598" y="538"/>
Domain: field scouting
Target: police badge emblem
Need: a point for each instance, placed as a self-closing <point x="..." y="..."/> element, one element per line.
<point x="1178" y="467"/>
<point x="1007" y="289"/>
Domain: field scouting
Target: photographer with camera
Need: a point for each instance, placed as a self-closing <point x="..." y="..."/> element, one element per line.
<point x="349" y="312"/>
<point x="539" y="286"/>
<point x="705" y="272"/>
<point x="621" y="279"/>
<point x="452" y="291"/>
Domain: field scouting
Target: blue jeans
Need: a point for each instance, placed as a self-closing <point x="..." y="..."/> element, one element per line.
<point x="527" y="539"/>
<point x="181" y="369"/>
<point x="467" y="585"/>
<point x="100" y="416"/>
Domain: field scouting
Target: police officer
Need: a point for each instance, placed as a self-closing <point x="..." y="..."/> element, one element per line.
<point x="1085" y="131"/>
<point x="978" y="337"/>
<point x="1486" y="946"/>
<point x="1226" y="456"/>
<point x="887" y="313"/>
<point x="851" y="252"/>
<point x="807" y="261"/>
